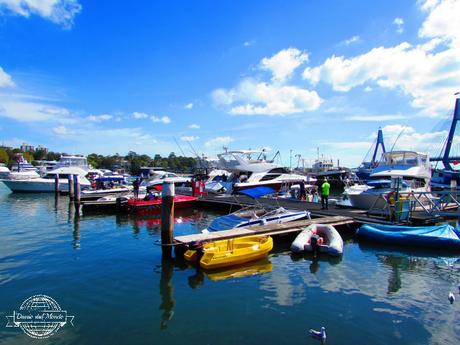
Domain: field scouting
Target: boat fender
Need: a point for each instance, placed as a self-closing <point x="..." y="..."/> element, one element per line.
<point x="263" y="222"/>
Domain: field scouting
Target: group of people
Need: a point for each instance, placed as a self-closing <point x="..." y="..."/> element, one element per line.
<point x="325" y="190"/>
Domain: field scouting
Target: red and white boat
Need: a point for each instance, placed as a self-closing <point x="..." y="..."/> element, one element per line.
<point x="141" y="206"/>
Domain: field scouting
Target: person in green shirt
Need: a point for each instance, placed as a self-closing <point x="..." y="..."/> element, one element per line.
<point x="325" y="187"/>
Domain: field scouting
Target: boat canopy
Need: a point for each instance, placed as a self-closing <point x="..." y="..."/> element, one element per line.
<point x="226" y="222"/>
<point x="111" y="178"/>
<point x="257" y="192"/>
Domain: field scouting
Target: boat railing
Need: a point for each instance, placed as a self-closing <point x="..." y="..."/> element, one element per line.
<point x="406" y="203"/>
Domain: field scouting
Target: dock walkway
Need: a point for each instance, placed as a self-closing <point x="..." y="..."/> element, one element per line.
<point x="269" y="230"/>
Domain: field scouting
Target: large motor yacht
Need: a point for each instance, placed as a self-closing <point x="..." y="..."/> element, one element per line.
<point x="411" y="169"/>
<point x="67" y="165"/>
<point x="248" y="172"/>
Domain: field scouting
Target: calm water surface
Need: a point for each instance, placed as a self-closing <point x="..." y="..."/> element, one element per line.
<point x="107" y="271"/>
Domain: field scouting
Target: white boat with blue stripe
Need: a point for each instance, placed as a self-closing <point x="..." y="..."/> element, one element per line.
<point x="256" y="215"/>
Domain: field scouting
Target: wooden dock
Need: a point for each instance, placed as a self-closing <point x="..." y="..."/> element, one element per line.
<point x="335" y="215"/>
<point x="268" y="230"/>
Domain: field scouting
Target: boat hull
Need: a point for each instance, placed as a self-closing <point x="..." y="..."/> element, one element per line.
<point x="233" y="252"/>
<point x="38" y="185"/>
<point x="154" y="206"/>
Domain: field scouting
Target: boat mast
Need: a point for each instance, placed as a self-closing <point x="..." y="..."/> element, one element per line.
<point x="379" y="142"/>
<point x="450" y="138"/>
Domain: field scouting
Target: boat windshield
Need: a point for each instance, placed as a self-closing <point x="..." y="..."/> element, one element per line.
<point x="405" y="158"/>
<point x="73" y="161"/>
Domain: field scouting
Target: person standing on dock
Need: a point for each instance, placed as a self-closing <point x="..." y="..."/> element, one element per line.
<point x="303" y="193"/>
<point x="325" y="187"/>
<point x="136" y="184"/>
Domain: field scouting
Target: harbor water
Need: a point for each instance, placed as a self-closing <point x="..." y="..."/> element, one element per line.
<point x="107" y="271"/>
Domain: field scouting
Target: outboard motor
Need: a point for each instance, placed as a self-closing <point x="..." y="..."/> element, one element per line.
<point x="314" y="244"/>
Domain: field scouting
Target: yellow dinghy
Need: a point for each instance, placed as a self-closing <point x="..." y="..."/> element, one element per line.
<point x="237" y="251"/>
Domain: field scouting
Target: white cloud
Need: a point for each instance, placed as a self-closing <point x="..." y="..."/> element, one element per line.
<point x="111" y="140"/>
<point x="351" y="40"/>
<point x="189" y="138"/>
<point x="61" y="130"/>
<point x="5" y="79"/>
<point x="138" y="115"/>
<point x="283" y="63"/>
<point x="194" y="126"/>
<point x="218" y="142"/>
<point x="374" y="118"/>
<point x="189" y="106"/>
<point x="399" y="22"/>
<point x="99" y="118"/>
<point x="163" y="119"/>
<point x="259" y="98"/>
<point x="442" y="21"/>
<point x="407" y="138"/>
<point x="25" y="111"/>
<point x="428" y="76"/>
<point x="61" y="12"/>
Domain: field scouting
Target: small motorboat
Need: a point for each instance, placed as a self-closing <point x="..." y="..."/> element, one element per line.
<point x="323" y="237"/>
<point x="440" y="237"/>
<point x="254" y="216"/>
<point x="94" y="194"/>
<point x="233" y="252"/>
<point x="142" y="206"/>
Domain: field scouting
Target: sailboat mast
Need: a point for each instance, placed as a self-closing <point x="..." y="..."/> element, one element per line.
<point x="450" y="138"/>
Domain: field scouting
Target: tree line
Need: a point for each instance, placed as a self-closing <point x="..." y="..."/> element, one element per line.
<point x="132" y="162"/>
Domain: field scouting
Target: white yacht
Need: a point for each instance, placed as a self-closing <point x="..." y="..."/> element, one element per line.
<point x="157" y="177"/>
<point x="4" y="171"/>
<point x="412" y="169"/>
<point x="67" y="165"/>
<point x="22" y="169"/>
<point x="248" y="172"/>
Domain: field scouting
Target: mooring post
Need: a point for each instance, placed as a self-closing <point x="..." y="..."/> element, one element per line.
<point x="167" y="218"/>
<point x="56" y="183"/>
<point x="70" y="184"/>
<point x="76" y="187"/>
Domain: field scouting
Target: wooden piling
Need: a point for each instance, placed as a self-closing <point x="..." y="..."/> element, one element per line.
<point x="56" y="183"/>
<point x="167" y="218"/>
<point x="76" y="187"/>
<point x="70" y="186"/>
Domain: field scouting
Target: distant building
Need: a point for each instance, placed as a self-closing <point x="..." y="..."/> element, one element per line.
<point x="27" y="148"/>
<point x="42" y="148"/>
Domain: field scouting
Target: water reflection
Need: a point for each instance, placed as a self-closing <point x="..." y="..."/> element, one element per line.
<point x="152" y="222"/>
<point x="166" y="292"/>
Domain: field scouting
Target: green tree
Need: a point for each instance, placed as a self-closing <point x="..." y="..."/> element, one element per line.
<point x="4" y="158"/>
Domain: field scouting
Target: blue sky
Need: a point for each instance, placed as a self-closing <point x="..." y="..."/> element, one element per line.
<point x="111" y="76"/>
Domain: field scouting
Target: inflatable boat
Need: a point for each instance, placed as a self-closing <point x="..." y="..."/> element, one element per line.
<point x="439" y="237"/>
<point x="322" y="237"/>
<point x="226" y="253"/>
